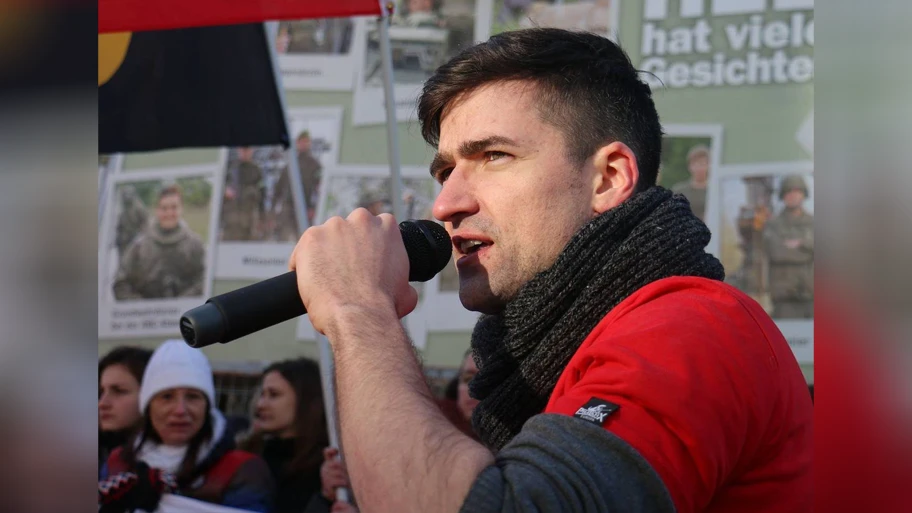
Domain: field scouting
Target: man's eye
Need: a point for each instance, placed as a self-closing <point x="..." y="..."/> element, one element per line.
<point x="443" y="174"/>
<point x="494" y="155"/>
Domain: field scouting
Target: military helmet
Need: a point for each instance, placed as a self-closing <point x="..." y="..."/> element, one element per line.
<point x="793" y="182"/>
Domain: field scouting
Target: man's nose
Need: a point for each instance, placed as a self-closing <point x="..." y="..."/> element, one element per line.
<point x="456" y="199"/>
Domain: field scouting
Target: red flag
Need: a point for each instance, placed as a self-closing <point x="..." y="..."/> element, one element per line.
<point x="140" y="15"/>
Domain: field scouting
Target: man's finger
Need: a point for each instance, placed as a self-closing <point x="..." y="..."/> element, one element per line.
<point x="360" y="213"/>
<point x="291" y="259"/>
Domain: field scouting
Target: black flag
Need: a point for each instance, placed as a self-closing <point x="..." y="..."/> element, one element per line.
<point x="196" y="87"/>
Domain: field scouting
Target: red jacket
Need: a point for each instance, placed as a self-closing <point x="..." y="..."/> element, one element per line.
<point x="709" y="392"/>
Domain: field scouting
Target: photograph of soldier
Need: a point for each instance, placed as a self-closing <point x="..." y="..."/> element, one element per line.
<point x="346" y="193"/>
<point x="257" y="201"/>
<point x="586" y="15"/>
<point x="166" y="258"/>
<point x="332" y="36"/>
<point x="789" y="244"/>
<point x="311" y="171"/>
<point x="423" y="35"/>
<point x="685" y="169"/>
<point x="767" y="241"/>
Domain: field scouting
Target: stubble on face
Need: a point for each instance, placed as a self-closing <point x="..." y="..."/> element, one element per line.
<point x="529" y="203"/>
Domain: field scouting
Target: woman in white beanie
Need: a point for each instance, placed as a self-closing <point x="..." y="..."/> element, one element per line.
<point x="184" y="446"/>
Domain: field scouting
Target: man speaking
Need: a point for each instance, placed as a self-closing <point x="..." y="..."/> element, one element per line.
<point x="617" y="372"/>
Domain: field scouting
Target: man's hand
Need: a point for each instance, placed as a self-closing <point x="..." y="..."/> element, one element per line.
<point x="355" y="263"/>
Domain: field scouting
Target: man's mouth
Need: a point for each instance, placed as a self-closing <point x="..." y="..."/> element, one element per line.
<point x="470" y="243"/>
<point x="467" y="247"/>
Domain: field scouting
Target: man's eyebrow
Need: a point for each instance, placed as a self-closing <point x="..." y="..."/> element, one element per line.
<point x="441" y="160"/>
<point x="467" y="149"/>
<point x="470" y="148"/>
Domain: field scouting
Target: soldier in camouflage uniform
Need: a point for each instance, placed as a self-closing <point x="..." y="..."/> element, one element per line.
<point x="133" y="219"/>
<point x="789" y="240"/>
<point x="166" y="260"/>
<point x="695" y="188"/>
<point x="243" y="199"/>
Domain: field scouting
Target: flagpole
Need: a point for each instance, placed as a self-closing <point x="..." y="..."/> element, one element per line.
<point x="392" y="127"/>
<point x="297" y="188"/>
<point x="327" y="370"/>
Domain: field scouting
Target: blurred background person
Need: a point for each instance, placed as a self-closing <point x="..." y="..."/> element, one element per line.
<point x="456" y="404"/>
<point x="695" y="188"/>
<point x="290" y="433"/>
<point x="119" y="418"/>
<point x="333" y="476"/>
<point x="167" y="259"/>
<point x="283" y="38"/>
<point x="184" y="446"/>
<point x="789" y="238"/>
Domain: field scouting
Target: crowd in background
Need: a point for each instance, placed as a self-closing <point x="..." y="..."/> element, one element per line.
<point x="161" y="432"/>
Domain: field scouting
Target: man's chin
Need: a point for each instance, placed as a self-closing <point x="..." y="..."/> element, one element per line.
<point x="480" y="301"/>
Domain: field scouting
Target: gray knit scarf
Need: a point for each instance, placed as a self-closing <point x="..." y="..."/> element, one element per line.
<point x="522" y="351"/>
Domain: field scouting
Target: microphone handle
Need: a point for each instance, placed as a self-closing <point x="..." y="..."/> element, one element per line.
<point x="250" y="309"/>
<point x="269" y="302"/>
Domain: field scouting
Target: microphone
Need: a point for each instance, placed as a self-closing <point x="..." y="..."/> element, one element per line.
<point x="241" y="312"/>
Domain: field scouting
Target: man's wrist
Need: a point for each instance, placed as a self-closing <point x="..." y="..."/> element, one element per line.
<point x="366" y="318"/>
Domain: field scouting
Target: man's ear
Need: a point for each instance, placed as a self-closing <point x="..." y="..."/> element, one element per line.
<point x="615" y="176"/>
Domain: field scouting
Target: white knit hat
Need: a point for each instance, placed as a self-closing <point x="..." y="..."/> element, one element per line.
<point x="175" y="364"/>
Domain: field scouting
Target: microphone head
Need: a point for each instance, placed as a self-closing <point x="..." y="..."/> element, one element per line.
<point x="428" y="246"/>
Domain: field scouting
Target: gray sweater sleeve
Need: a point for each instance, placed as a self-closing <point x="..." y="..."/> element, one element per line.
<point x="559" y="464"/>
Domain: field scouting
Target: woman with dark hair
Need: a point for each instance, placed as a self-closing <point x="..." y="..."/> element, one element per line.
<point x="119" y="375"/>
<point x="184" y="447"/>
<point x="456" y="404"/>
<point x="290" y="433"/>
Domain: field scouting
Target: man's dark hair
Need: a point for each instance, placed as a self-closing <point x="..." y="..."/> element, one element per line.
<point x="587" y="88"/>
